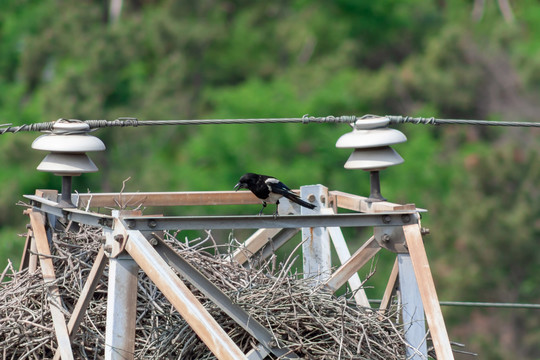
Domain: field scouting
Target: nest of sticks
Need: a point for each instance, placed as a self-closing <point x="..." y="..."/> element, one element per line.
<point x="313" y="323"/>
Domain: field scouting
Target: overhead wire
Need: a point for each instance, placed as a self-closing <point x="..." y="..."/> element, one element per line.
<point x="395" y="119"/>
<point x="306" y="119"/>
<point x="484" y="304"/>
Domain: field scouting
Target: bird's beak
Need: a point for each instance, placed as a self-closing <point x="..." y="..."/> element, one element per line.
<point x="237" y="186"/>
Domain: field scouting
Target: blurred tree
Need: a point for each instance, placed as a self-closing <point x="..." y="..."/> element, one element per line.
<point x="178" y="59"/>
<point x="494" y="227"/>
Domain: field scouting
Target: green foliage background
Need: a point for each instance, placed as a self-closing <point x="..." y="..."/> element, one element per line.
<point x="235" y="59"/>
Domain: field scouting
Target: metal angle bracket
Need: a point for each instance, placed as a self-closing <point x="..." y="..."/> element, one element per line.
<point x="70" y="214"/>
<point x="391" y="238"/>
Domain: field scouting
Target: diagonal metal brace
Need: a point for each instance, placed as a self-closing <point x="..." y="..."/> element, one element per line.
<point x="239" y="315"/>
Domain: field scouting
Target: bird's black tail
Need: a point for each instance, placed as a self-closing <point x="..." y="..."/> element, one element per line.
<point x="295" y="198"/>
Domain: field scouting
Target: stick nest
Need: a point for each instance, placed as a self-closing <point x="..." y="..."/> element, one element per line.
<point x="313" y="323"/>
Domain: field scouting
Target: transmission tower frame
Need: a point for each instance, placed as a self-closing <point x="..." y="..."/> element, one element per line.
<point x="133" y="241"/>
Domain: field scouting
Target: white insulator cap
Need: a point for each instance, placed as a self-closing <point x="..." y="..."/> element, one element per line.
<point x="357" y="139"/>
<point x="371" y="138"/>
<point x="68" y="143"/>
<point x="373" y="159"/>
<point x="63" y="164"/>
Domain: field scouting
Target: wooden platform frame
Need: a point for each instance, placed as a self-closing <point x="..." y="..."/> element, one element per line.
<point x="128" y="247"/>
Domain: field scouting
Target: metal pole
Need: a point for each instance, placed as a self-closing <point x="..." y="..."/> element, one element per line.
<point x="121" y="301"/>
<point x="412" y="310"/>
<point x="375" y="185"/>
<point x="316" y="248"/>
<point x="65" y="200"/>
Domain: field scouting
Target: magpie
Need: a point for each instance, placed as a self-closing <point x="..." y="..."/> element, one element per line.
<point x="269" y="190"/>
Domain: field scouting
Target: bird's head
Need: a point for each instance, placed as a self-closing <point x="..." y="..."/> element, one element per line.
<point x="245" y="181"/>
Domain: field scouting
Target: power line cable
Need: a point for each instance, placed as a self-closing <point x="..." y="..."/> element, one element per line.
<point x="306" y="119"/>
<point x="126" y="121"/>
<point x="484" y="304"/>
<point x="434" y="121"/>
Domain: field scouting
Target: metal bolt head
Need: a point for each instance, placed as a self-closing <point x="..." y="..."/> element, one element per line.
<point x="385" y="238"/>
<point x="153" y="241"/>
<point x="311" y="197"/>
<point x="152" y="223"/>
<point x="387" y="219"/>
<point x="107" y="248"/>
<point x="119" y="237"/>
<point x="424" y="231"/>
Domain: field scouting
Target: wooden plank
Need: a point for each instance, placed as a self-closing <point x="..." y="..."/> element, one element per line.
<point x="351" y="266"/>
<point x="87" y="292"/>
<point x="412" y="311"/>
<point x="47" y="194"/>
<point x="202" y="323"/>
<point x="168" y="198"/>
<point x="33" y="261"/>
<point x="360" y="203"/>
<point x="86" y="295"/>
<point x="254" y="243"/>
<point x="390" y="288"/>
<point x="25" y="259"/>
<point x="278" y="241"/>
<point x="59" y="322"/>
<point x="434" y="317"/>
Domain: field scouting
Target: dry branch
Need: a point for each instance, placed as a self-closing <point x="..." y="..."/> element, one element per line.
<point x="313" y="323"/>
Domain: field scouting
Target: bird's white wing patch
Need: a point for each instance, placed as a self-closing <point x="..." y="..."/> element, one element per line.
<point x="271" y="181"/>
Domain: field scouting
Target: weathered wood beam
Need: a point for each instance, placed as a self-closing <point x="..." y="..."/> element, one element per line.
<point x="168" y="198"/>
<point x="434" y="317"/>
<point x="37" y="222"/>
<point x="351" y="266"/>
<point x="25" y="258"/>
<point x="360" y="203"/>
<point x="343" y="253"/>
<point x="390" y="288"/>
<point x="254" y="243"/>
<point x="86" y="295"/>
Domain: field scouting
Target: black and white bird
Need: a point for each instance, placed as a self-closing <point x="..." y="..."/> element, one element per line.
<point x="269" y="190"/>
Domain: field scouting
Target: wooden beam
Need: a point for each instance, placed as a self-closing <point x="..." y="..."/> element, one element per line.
<point x="280" y="239"/>
<point x="168" y="198"/>
<point x="360" y="203"/>
<point x="25" y="259"/>
<point x="390" y="288"/>
<point x="254" y="243"/>
<point x="434" y="317"/>
<point x="86" y="295"/>
<point x="87" y="292"/>
<point x="343" y="253"/>
<point x="351" y="266"/>
<point x="47" y="268"/>
<point x="33" y="261"/>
